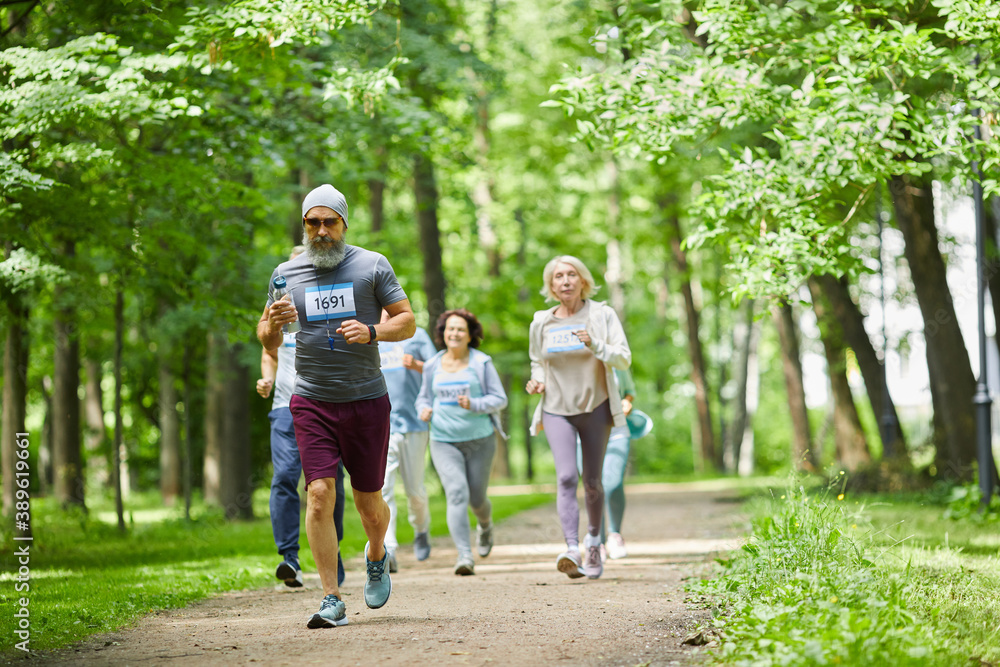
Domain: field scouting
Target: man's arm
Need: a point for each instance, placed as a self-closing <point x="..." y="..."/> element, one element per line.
<point x="268" y="371"/>
<point x="275" y="316"/>
<point x="401" y="324"/>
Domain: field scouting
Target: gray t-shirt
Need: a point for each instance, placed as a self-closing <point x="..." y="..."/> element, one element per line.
<point x="357" y="289"/>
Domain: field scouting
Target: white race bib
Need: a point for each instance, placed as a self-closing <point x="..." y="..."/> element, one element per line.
<point x="392" y="357"/>
<point x="448" y="392"/>
<point x="330" y="302"/>
<point x="562" y="339"/>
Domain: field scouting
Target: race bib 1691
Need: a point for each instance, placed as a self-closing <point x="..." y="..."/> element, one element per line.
<point x="330" y="302"/>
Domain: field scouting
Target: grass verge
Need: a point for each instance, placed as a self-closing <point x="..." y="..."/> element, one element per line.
<point x="86" y="577"/>
<point x="827" y="580"/>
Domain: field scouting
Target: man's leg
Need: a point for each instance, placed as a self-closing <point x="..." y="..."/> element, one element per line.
<point x="321" y="498"/>
<point x="284" y="502"/>
<point x="375" y="520"/>
<point x="338" y="521"/>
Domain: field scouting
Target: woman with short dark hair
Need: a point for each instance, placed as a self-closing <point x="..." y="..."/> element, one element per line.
<point x="461" y="396"/>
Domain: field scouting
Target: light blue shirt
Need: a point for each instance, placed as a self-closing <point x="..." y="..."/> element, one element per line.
<point x="450" y="422"/>
<point x="284" y="379"/>
<point x="404" y="384"/>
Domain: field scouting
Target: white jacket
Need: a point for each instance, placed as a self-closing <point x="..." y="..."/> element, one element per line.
<point x="608" y="343"/>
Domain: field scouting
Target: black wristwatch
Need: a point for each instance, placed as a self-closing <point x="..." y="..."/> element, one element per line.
<point x="371" y="333"/>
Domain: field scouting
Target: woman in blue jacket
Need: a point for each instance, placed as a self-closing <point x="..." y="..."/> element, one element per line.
<point x="461" y="396"/>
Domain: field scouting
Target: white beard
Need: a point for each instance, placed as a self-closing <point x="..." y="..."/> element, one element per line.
<point x="326" y="255"/>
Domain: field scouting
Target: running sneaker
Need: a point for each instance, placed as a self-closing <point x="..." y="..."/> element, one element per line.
<point x="378" y="585"/>
<point x="332" y="612"/>
<point x="393" y="563"/>
<point x="465" y="566"/>
<point x="289" y="572"/>
<point x="569" y="563"/>
<point x="616" y="546"/>
<point x="592" y="566"/>
<point x="484" y="540"/>
<point x="422" y="546"/>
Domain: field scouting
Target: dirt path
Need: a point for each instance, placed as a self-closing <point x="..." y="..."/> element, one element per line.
<point x="517" y="609"/>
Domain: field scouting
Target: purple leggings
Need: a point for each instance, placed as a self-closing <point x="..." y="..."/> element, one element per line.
<point x="594" y="429"/>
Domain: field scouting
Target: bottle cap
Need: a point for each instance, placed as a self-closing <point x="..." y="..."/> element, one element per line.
<point x="279" y="282"/>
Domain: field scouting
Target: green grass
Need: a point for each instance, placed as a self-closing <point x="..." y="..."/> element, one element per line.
<point x="87" y="578"/>
<point x="827" y="579"/>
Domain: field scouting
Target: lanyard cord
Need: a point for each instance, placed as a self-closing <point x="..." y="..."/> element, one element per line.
<point x="323" y="302"/>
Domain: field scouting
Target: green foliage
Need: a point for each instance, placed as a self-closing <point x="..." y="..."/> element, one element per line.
<point x="842" y="96"/>
<point x="965" y="503"/>
<point x="822" y="582"/>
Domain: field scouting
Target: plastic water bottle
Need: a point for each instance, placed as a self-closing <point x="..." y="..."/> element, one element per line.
<point x="281" y="292"/>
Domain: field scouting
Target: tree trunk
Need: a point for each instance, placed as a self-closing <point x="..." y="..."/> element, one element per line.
<point x="170" y="446"/>
<point x="426" y="194"/>
<point x="95" y="441"/>
<point x="188" y="406"/>
<point x="376" y="190"/>
<point x="15" y="393"/>
<point x="300" y="188"/>
<point x="992" y="217"/>
<point x="117" y="466"/>
<point x="235" y="455"/>
<point x="214" y="397"/>
<point x="45" y="475"/>
<point x="742" y="337"/>
<point x="745" y="462"/>
<point x="802" y="453"/>
<point x="482" y="191"/>
<point x="699" y="376"/>
<point x="848" y="435"/>
<point x="67" y="457"/>
<point x="613" y="275"/>
<point x="947" y="357"/>
<point x="852" y="322"/>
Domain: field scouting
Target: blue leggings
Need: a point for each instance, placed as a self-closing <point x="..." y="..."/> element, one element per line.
<point x="593" y="428"/>
<point x="615" y="460"/>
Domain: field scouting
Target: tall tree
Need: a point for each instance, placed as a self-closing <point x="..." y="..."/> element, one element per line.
<point x="849" y="436"/>
<point x="947" y="357"/>
<point x="803" y="456"/>
<point x="67" y="458"/>
<point x="699" y="375"/>
<point x="851" y="320"/>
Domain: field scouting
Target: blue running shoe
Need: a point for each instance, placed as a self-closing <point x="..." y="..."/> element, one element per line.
<point x="332" y="612"/>
<point x="289" y="572"/>
<point x="378" y="586"/>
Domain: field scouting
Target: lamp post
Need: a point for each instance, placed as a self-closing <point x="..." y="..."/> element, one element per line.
<point x="887" y="420"/>
<point x="981" y="399"/>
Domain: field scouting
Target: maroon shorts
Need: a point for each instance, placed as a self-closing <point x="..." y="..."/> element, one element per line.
<point x="356" y="433"/>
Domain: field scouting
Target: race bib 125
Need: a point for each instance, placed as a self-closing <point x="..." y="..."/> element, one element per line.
<point x="562" y="339"/>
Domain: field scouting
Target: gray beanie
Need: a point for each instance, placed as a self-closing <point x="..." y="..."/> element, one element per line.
<point x="329" y="196"/>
